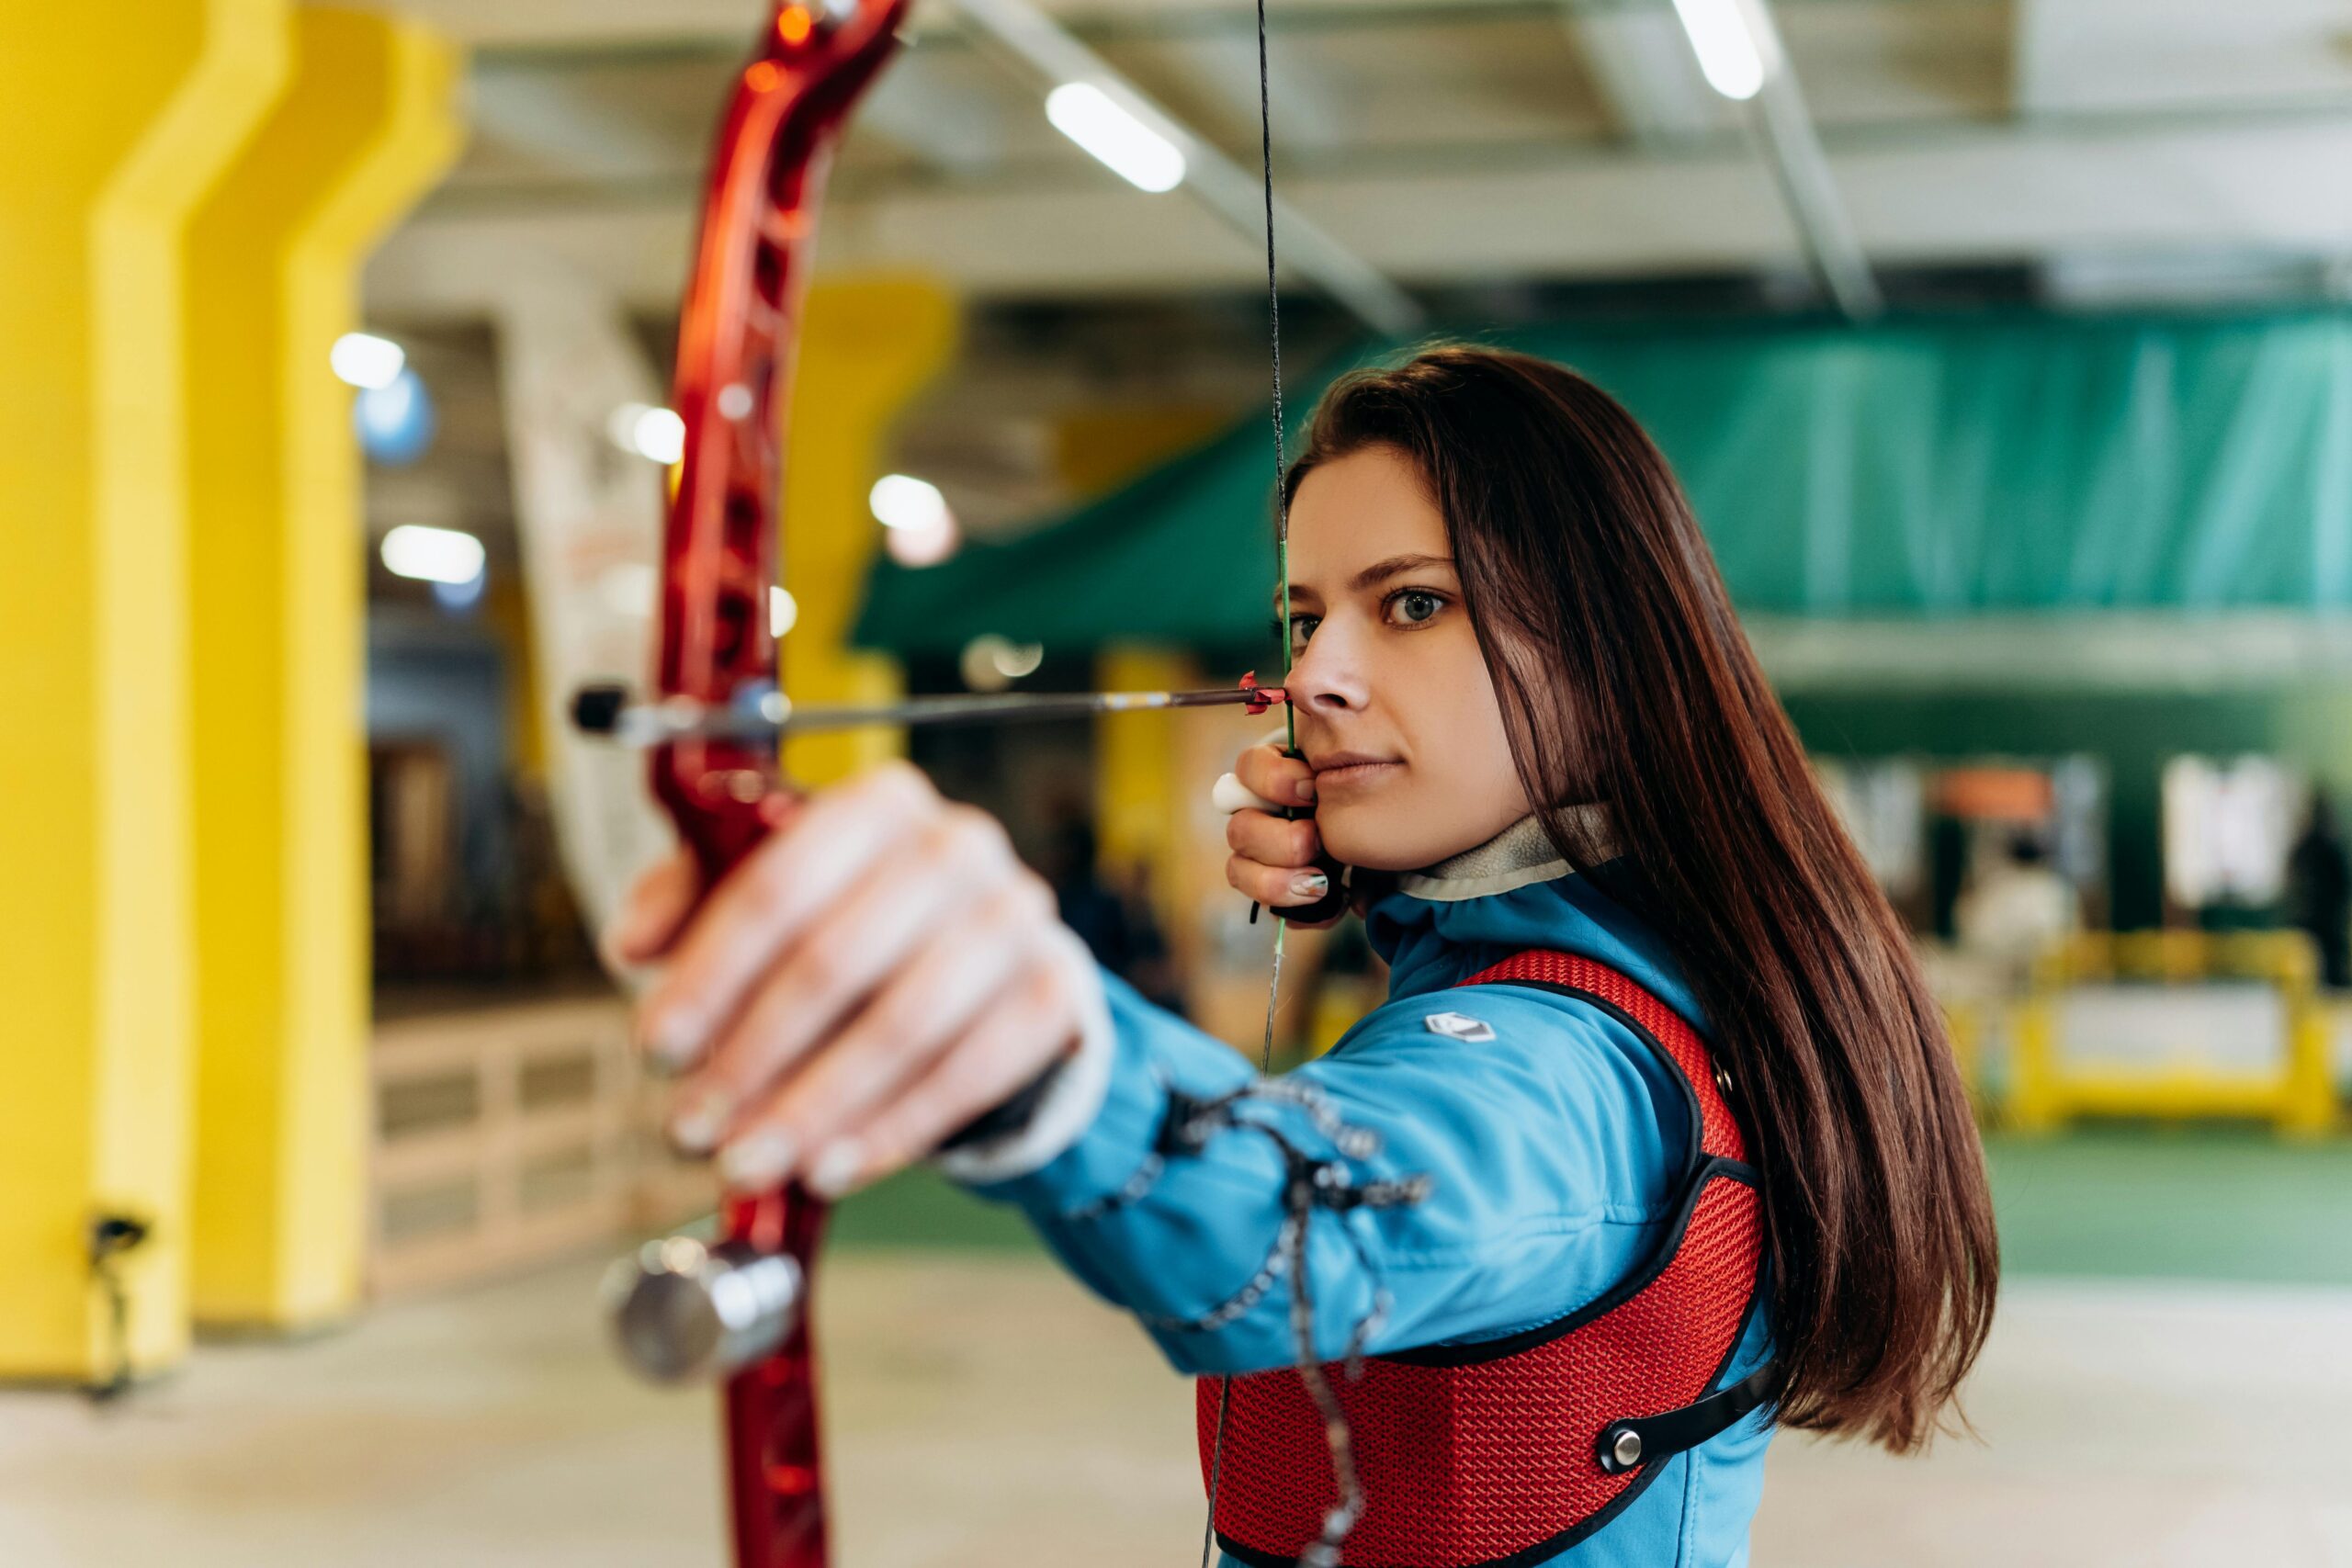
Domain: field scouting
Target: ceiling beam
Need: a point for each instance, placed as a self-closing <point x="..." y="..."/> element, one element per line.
<point x="1976" y="194"/>
<point x="1792" y="149"/>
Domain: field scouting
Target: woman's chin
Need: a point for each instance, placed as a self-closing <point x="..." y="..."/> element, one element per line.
<point x="1359" y="837"/>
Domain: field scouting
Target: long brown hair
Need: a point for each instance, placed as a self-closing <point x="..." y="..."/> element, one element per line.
<point x="1625" y="678"/>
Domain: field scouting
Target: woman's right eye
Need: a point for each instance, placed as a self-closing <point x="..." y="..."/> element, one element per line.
<point x="1301" y="628"/>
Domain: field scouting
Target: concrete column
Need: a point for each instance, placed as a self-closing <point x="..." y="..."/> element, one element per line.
<point x="590" y="520"/>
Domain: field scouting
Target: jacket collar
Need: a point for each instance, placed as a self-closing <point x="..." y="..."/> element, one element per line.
<point x="1519" y="857"/>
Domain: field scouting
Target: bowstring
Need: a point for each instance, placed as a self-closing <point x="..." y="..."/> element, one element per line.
<point x="1290" y="712"/>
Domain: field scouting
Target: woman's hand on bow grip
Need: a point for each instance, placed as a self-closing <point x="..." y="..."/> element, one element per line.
<point x="876" y="974"/>
<point x="1273" y="857"/>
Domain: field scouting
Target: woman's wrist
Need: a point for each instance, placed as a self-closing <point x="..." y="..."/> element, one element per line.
<point x="1059" y="1116"/>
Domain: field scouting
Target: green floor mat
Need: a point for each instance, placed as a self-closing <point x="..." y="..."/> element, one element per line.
<point x="2175" y="1204"/>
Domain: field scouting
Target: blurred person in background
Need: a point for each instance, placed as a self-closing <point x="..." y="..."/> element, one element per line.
<point x="1086" y="904"/>
<point x="1116" y="925"/>
<point x="2017" y="909"/>
<point x="2319" y="890"/>
<point x="1660" y="1120"/>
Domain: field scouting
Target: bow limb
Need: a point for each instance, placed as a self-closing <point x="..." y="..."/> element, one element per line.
<point x="737" y="331"/>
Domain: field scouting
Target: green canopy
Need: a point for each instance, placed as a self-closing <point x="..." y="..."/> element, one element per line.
<point x="1929" y="467"/>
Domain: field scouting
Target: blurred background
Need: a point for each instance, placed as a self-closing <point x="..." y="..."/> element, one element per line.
<point x="2005" y="346"/>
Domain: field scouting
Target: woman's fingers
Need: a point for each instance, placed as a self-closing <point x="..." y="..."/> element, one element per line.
<point x="883" y="946"/>
<point x="1273" y="857"/>
<point x="1276" y="886"/>
<point x="996" y="1057"/>
<point x="925" y="1011"/>
<point x="928" y="884"/>
<point x="1272" y="840"/>
<point x="778" y="895"/>
<point x="652" y="911"/>
<point x="1284" y="780"/>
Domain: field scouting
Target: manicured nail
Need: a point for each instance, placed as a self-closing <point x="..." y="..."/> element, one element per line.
<point x="699" y="1126"/>
<point x="671" y="1040"/>
<point x="756" y="1162"/>
<point x="1309" y="885"/>
<point x="837" y="1168"/>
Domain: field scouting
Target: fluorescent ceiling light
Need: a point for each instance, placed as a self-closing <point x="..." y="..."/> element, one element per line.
<point x="651" y="433"/>
<point x="367" y="361"/>
<point x="1726" y="47"/>
<point x="990" y="663"/>
<point x="1130" y="149"/>
<point x="901" y="500"/>
<point x="433" y="555"/>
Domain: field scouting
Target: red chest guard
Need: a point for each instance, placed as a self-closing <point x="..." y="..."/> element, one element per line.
<point x="1510" y="1451"/>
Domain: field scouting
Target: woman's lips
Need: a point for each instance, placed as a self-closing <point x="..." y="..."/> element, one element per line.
<point x="1349" y="769"/>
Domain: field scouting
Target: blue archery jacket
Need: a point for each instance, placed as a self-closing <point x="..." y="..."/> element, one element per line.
<point x="1552" y="1151"/>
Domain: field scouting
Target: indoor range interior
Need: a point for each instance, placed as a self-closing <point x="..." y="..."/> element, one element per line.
<point x="2003" y="348"/>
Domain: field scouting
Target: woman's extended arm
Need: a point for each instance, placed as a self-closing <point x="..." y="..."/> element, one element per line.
<point x="1544" y="1150"/>
<point x="882" y="971"/>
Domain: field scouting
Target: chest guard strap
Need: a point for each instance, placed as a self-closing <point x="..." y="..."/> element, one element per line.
<point x="1509" y="1452"/>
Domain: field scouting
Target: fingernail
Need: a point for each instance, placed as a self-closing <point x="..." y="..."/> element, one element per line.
<point x="1309" y="885"/>
<point x="699" y="1126"/>
<point x="1305" y="788"/>
<point x="755" y="1162"/>
<point x="669" y="1039"/>
<point x="624" y="931"/>
<point x="837" y="1168"/>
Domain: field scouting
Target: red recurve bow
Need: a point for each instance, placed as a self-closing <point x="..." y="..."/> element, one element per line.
<point x="740" y="1306"/>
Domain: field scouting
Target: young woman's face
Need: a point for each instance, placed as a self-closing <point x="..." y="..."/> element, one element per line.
<point x="1397" y="712"/>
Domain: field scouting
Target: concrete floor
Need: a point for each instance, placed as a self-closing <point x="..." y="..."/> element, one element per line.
<point x="984" y="1412"/>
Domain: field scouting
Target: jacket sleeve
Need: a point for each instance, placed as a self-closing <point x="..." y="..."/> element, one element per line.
<point x="1548" y="1151"/>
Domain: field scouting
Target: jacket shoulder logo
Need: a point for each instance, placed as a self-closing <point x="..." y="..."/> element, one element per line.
<point x="1459" y="1026"/>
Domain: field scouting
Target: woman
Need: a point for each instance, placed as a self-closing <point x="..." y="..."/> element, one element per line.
<point x="1537" y="1199"/>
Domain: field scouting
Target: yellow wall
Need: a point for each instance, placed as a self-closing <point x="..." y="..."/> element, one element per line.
<point x="1138" y="786"/>
<point x="867" y="346"/>
<point x="1095" y="449"/>
<point x="119" y="124"/>
<point x="368" y="124"/>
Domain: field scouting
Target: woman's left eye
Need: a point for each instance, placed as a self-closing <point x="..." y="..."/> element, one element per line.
<point x="1412" y="606"/>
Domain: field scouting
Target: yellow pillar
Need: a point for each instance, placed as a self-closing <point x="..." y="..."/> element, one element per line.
<point x="367" y="125"/>
<point x="1138" y="809"/>
<point x="121" y="123"/>
<point x="866" y="347"/>
<point x="1138" y="801"/>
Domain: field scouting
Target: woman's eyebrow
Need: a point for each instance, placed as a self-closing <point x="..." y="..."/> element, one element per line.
<point x="1396" y="566"/>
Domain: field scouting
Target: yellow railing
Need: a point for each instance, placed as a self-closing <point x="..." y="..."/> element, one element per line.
<point x="2045" y="1091"/>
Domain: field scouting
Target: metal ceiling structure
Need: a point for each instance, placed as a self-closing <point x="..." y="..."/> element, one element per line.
<point x="1489" y="158"/>
<point x="1437" y="142"/>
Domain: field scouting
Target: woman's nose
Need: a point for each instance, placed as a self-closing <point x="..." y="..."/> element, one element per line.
<point x="1325" y="677"/>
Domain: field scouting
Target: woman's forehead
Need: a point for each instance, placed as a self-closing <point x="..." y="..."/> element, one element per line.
<point x="1365" y="507"/>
